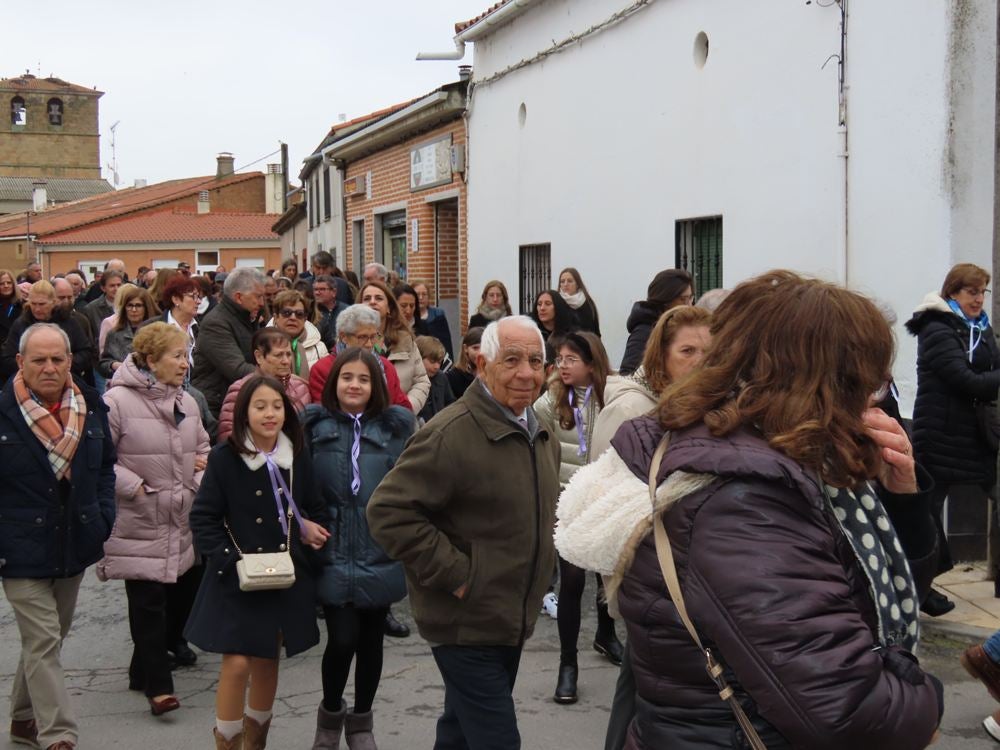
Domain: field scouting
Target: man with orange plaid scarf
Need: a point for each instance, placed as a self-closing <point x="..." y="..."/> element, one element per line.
<point x="57" y="506"/>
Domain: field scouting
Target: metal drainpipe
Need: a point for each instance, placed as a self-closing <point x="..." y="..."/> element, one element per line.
<point x="845" y="154"/>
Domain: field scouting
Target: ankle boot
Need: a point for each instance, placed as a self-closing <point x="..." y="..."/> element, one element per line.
<point x="221" y="743"/>
<point x="606" y="641"/>
<point x="254" y="734"/>
<point x="358" y="728"/>
<point x="329" y="725"/>
<point x="566" y="684"/>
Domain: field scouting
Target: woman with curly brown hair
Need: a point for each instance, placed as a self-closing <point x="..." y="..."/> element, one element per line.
<point x="773" y="492"/>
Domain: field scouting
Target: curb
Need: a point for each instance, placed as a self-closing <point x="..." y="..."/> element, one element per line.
<point x="971" y="633"/>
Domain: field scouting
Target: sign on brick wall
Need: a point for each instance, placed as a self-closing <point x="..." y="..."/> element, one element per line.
<point x="430" y="164"/>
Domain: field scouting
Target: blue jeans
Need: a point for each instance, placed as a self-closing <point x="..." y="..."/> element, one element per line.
<point x="992" y="647"/>
<point x="478" y="697"/>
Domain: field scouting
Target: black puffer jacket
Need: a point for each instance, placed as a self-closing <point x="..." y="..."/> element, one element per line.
<point x="946" y="437"/>
<point x="774" y="587"/>
<point x="639" y="325"/>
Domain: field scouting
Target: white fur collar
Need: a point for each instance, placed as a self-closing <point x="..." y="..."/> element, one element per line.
<point x="604" y="513"/>
<point x="283" y="456"/>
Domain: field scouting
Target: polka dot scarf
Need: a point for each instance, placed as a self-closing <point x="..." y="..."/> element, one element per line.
<point x="867" y="527"/>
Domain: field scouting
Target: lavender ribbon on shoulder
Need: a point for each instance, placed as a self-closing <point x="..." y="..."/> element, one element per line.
<point x="581" y="434"/>
<point x="278" y="486"/>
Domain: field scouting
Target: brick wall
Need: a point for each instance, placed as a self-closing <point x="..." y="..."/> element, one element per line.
<point x="441" y="224"/>
<point x="69" y="150"/>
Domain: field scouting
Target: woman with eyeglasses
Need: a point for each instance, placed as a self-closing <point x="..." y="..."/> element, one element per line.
<point x="135" y="306"/>
<point x="272" y="351"/>
<point x="568" y="410"/>
<point x="291" y="315"/>
<point x="958" y="376"/>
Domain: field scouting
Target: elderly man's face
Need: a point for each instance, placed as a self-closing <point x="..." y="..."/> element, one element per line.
<point x="64" y="294"/>
<point x="252" y="300"/>
<point x="77" y="283"/>
<point x="33" y="272"/>
<point x="45" y="366"/>
<point x="515" y="378"/>
<point x="111" y="286"/>
<point x="325" y="294"/>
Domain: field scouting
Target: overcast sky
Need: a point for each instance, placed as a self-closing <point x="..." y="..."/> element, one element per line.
<point x="190" y="78"/>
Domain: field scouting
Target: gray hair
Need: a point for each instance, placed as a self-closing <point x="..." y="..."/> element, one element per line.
<point x="711" y="299"/>
<point x="30" y="331"/>
<point x="242" y="280"/>
<point x="355" y="316"/>
<point x="489" y="346"/>
<point x="381" y="271"/>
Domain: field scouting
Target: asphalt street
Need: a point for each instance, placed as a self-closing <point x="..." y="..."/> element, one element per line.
<point x="97" y="652"/>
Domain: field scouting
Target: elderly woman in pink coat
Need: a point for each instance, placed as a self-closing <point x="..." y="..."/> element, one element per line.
<point x="162" y="453"/>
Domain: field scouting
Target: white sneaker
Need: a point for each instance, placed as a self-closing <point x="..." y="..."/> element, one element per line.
<point x="550" y="605"/>
<point x="992" y="725"/>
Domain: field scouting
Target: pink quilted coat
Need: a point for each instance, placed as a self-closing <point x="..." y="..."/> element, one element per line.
<point x="158" y="433"/>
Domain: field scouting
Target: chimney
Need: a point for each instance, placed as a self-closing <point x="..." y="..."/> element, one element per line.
<point x="39" y="196"/>
<point x="274" y="189"/>
<point x="464" y="72"/>
<point x="225" y="165"/>
<point x="140" y="183"/>
<point x="203" y="204"/>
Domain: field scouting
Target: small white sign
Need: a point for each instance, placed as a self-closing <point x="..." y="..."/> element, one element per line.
<point x="415" y="244"/>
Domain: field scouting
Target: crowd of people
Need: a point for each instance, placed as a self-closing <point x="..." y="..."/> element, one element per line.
<point x="254" y="454"/>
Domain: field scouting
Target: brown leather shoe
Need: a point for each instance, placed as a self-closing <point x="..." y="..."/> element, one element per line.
<point x="983" y="668"/>
<point x="221" y="743"/>
<point x="24" y="732"/>
<point x="254" y="734"/>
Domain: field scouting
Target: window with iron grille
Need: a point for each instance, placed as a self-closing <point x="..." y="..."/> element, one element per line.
<point x="699" y="251"/>
<point x="536" y="274"/>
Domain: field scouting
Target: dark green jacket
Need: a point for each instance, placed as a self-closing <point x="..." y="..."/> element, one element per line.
<point x="222" y="355"/>
<point x="472" y="501"/>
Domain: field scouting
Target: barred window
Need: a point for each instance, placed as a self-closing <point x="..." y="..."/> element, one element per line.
<point x="699" y="251"/>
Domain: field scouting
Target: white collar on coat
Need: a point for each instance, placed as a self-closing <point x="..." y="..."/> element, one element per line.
<point x="283" y="456"/>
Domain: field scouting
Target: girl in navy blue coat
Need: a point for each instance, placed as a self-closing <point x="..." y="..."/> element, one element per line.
<point x="355" y="438"/>
<point x="256" y="495"/>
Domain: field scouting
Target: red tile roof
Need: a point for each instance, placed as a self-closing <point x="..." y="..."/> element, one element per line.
<point x="28" y="82"/>
<point x="171" y="226"/>
<point x="113" y="204"/>
<point x="463" y="25"/>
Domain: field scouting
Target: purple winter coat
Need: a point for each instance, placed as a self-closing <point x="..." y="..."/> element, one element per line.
<point x="158" y="433"/>
<point x="775" y="588"/>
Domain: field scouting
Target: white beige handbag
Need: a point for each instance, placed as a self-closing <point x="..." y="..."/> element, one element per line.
<point x="261" y="571"/>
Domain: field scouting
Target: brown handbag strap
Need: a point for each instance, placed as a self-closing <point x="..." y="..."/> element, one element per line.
<point x="665" y="556"/>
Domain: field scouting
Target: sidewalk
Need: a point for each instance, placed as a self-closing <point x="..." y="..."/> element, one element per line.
<point x="975" y="606"/>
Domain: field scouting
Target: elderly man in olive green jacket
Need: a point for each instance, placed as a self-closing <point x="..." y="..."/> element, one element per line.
<point x="469" y="510"/>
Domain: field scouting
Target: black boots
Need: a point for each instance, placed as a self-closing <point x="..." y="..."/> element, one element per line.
<point x="566" y="684"/>
<point x="606" y="642"/>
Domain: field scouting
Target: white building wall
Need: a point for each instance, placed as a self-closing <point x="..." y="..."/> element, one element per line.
<point x="328" y="234"/>
<point x="624" y="135"/>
